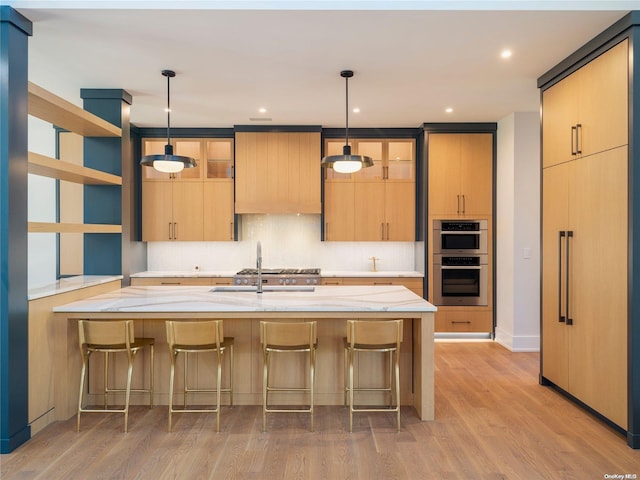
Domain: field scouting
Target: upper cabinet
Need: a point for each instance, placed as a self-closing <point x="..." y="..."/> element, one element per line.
<point x="376" y="203"/>
<point x="460" y="174"/>
<point x="187" y="147"/>
<point x="277" y="172"/>
<point x="195" y="204"/>
<point x="573" y="124"/>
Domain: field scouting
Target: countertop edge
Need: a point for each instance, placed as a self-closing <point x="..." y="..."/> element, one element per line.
<point x="323" y="274"/>
<point x="70" y="284"/>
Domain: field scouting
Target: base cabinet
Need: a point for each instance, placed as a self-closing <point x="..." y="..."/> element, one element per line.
<point x="468" y="320"/>
<point x="412" y="283"/>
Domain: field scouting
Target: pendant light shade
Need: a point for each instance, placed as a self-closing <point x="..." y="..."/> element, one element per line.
<point x="168" y="162"/>
<point x="347" y="163"/>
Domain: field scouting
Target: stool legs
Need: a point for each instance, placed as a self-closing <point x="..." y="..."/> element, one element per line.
<point x="173" y="354"/>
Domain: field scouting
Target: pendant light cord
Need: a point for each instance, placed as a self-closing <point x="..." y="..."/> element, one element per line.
<point x="346" y="111"/>
<point x="168" y="112"/>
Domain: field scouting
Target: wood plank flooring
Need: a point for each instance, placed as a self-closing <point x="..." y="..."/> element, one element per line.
<point x="493" y="421"/>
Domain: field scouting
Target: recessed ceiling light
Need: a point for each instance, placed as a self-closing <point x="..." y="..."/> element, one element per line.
<point x="262" y="110"/>
<point x="356" y="110"/>
<point x="448" y="110"/>
<point x="506" y="53"/>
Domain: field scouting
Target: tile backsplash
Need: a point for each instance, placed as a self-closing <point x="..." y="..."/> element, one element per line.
<point x="288" y="241"/>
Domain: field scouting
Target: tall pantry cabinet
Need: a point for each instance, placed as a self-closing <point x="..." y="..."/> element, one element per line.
<point x="590" y="343"/>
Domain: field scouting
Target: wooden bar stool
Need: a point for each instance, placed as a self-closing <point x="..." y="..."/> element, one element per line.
<point x="284" y="337"/>
<point x="112" y="336"/>
<point x="199" y="337"/>
<point x="383" y="336"/>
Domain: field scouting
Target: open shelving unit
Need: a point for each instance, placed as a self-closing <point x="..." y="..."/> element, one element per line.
<point x="61" y="113"/>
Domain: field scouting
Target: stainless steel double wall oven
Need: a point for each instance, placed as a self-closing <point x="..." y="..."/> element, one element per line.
<point x="460" y="262"/>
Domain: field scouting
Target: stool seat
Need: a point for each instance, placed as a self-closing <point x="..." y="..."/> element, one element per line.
<point x="198" y="337"/>
<point x="112" y="336"/>
<point x="382" y="336"/>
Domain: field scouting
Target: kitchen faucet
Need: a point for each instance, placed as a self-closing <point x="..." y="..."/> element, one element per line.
<point x="259" y="267"/>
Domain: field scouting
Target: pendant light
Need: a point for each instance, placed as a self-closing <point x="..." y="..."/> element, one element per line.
<point x="168" y="162"/>
<point x="347" y="163"/>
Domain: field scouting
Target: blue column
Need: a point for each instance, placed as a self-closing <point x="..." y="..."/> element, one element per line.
<point x="14" y="349"/>
<point x="110" y="254"/>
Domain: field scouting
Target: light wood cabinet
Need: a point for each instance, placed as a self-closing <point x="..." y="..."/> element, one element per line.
<point x="460" y="174"/>
<point x="195" y="204"/>
<point x="573" y="121"/>
<point x="584" y="313"/>
<point x="188" y="147"/>
<point x="412" y="283"/>
<point x="50" y="341"/>
<point x="376" y="203"/>
<point x="172" y="211"/>
<point x="278" y="172"/>
<point x="339" y="211"/>
<point x="467" y="320"/>
<point x="585" y="234"/>
<point x="218" y="192"/>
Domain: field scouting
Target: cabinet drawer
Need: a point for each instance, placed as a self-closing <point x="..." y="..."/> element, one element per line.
<point x="464" y="321"/>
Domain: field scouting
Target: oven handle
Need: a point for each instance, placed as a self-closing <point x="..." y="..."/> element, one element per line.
<point x="457" y="232"/>
<point x="461" y="267"/>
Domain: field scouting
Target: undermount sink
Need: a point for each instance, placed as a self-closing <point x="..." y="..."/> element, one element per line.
<point x="265" y="288"/>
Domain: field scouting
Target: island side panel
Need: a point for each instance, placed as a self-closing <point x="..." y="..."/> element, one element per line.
<point x="423" y="368"/>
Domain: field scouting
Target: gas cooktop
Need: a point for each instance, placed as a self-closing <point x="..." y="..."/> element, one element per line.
<point x="278" y="276"/>
<point x="280" y="271"/>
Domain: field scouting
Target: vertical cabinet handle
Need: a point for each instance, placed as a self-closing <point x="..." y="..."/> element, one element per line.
<point x="458" y="210"/>
<point x="387" y="230"/>
<point x="170" y="233"/>
<point x="567" y="265"/>
<point x="578" y="136"/>
<point x="574" y="136"/>
<point x="175" y="231"/>
<point x="561" y="317"/>
<point x="464" y="204"/>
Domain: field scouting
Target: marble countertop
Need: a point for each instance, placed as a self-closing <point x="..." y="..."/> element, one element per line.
<point x="323" y="273"/>
<point x="172" y="299"/>
<point x="69" y="284"/>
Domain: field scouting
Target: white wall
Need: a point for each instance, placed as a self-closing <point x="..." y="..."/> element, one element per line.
<point x="518" y="232"/>
<point x="288" y="241"/>
<point x="41" y="208"/>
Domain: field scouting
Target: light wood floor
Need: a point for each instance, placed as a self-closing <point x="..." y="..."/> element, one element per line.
<point x="493" y="421"/>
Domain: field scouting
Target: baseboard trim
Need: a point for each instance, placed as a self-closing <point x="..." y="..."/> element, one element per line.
<point x="523" y="343"/>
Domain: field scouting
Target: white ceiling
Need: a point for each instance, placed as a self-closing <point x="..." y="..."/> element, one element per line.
<point x="232" y="58"/>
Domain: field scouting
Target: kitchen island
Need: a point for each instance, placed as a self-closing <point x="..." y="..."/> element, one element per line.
<point x="331" y="306"/>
